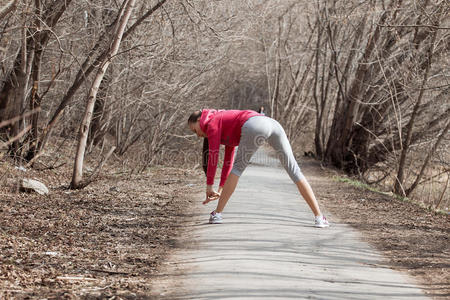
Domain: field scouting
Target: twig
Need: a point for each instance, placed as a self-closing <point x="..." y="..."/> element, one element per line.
<point x="76" y="278"/>
<point x="18" y="136"/>
<point x="415" y="26"/>
<point x="183" y="136"/>
<point x="22" y="116"/>
<point x="7" y="9"/>
<point x="94" y="174"/>
<point x="50" y="167"/>
<point x="111" y="272"/>
<point x="443" y="192"/>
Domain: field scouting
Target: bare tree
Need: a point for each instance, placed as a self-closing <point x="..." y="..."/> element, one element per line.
<point x="96" y="55"/>
<point x="347" y="75"/>
<point x="14" y="92"/>
<point x="124" y="16"/>
<point x="398" y="188"/>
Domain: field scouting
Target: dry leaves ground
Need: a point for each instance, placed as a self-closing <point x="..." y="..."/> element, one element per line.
<point x="109" y="238"/>
<point x="105" y="240"/>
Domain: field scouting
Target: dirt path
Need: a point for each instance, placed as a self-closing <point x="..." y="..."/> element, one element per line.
<point x="413" y="240"/>
<point x="267" y="247"/>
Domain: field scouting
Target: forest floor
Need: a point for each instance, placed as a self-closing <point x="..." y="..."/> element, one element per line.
<point x="110" y="238"/>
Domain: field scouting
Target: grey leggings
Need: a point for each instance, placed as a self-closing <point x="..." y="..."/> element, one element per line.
<point x="255" y="132"/>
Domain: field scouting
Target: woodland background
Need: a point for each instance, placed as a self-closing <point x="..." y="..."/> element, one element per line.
<point x="362" y="85"/>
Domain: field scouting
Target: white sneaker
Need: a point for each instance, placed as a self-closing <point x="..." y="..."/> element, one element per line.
<point x="215" y="218"/>
<point x="321" y="222"/>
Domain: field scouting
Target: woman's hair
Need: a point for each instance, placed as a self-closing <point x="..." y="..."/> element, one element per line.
<point x="205" y="152"/>
<point x="194" y="116"/>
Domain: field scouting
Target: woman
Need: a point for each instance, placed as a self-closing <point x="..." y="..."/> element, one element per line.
<point x="248" y="130"/>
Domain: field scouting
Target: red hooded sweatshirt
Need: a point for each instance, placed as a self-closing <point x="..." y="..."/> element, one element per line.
<point x="223" y="127"/>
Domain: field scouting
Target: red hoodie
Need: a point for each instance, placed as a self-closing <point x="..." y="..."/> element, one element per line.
<point x="223" y="127"/>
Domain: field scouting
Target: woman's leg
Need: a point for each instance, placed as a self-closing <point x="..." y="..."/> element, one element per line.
<point x="307" y="193"/>
<point x="279" y="141"/>
<point x="228" y="190"/>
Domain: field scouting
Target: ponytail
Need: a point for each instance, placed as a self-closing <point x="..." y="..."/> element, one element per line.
<point x="205" y="154"/>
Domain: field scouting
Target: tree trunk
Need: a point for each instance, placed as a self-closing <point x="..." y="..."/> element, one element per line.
<point x="19" y="94"/>
<point x="14" y="92"/>
<point x="347" y="109"/>
<point x="84" y="128"/>
<point x="97" y="132"/>
<point x="35" y="100"/>
<point x="50" y="17"/>
<point x="398" y="186"/>
<point x="276" y="85"/>
<point x="319" y="106"/>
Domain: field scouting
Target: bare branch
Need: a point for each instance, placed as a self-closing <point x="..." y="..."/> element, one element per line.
<point x="9" y="7"/>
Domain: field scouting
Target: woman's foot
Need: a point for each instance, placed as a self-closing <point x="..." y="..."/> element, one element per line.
<point x="215" y="218"/>
<point x="321" y="222"/>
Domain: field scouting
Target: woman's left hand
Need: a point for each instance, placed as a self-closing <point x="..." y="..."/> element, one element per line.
<point x="211" y="195"/>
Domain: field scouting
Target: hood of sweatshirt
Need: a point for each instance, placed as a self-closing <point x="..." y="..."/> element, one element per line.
<point x="206" y="117"/>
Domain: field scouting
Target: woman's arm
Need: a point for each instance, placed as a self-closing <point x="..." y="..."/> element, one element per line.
<point x="213" y="157"/>
<point x="213" y="133"/>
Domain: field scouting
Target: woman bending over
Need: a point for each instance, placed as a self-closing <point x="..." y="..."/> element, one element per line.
<point x="248" y="130"/>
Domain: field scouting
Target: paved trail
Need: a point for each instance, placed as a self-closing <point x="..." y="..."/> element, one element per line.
<point x="267" y="248"/>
